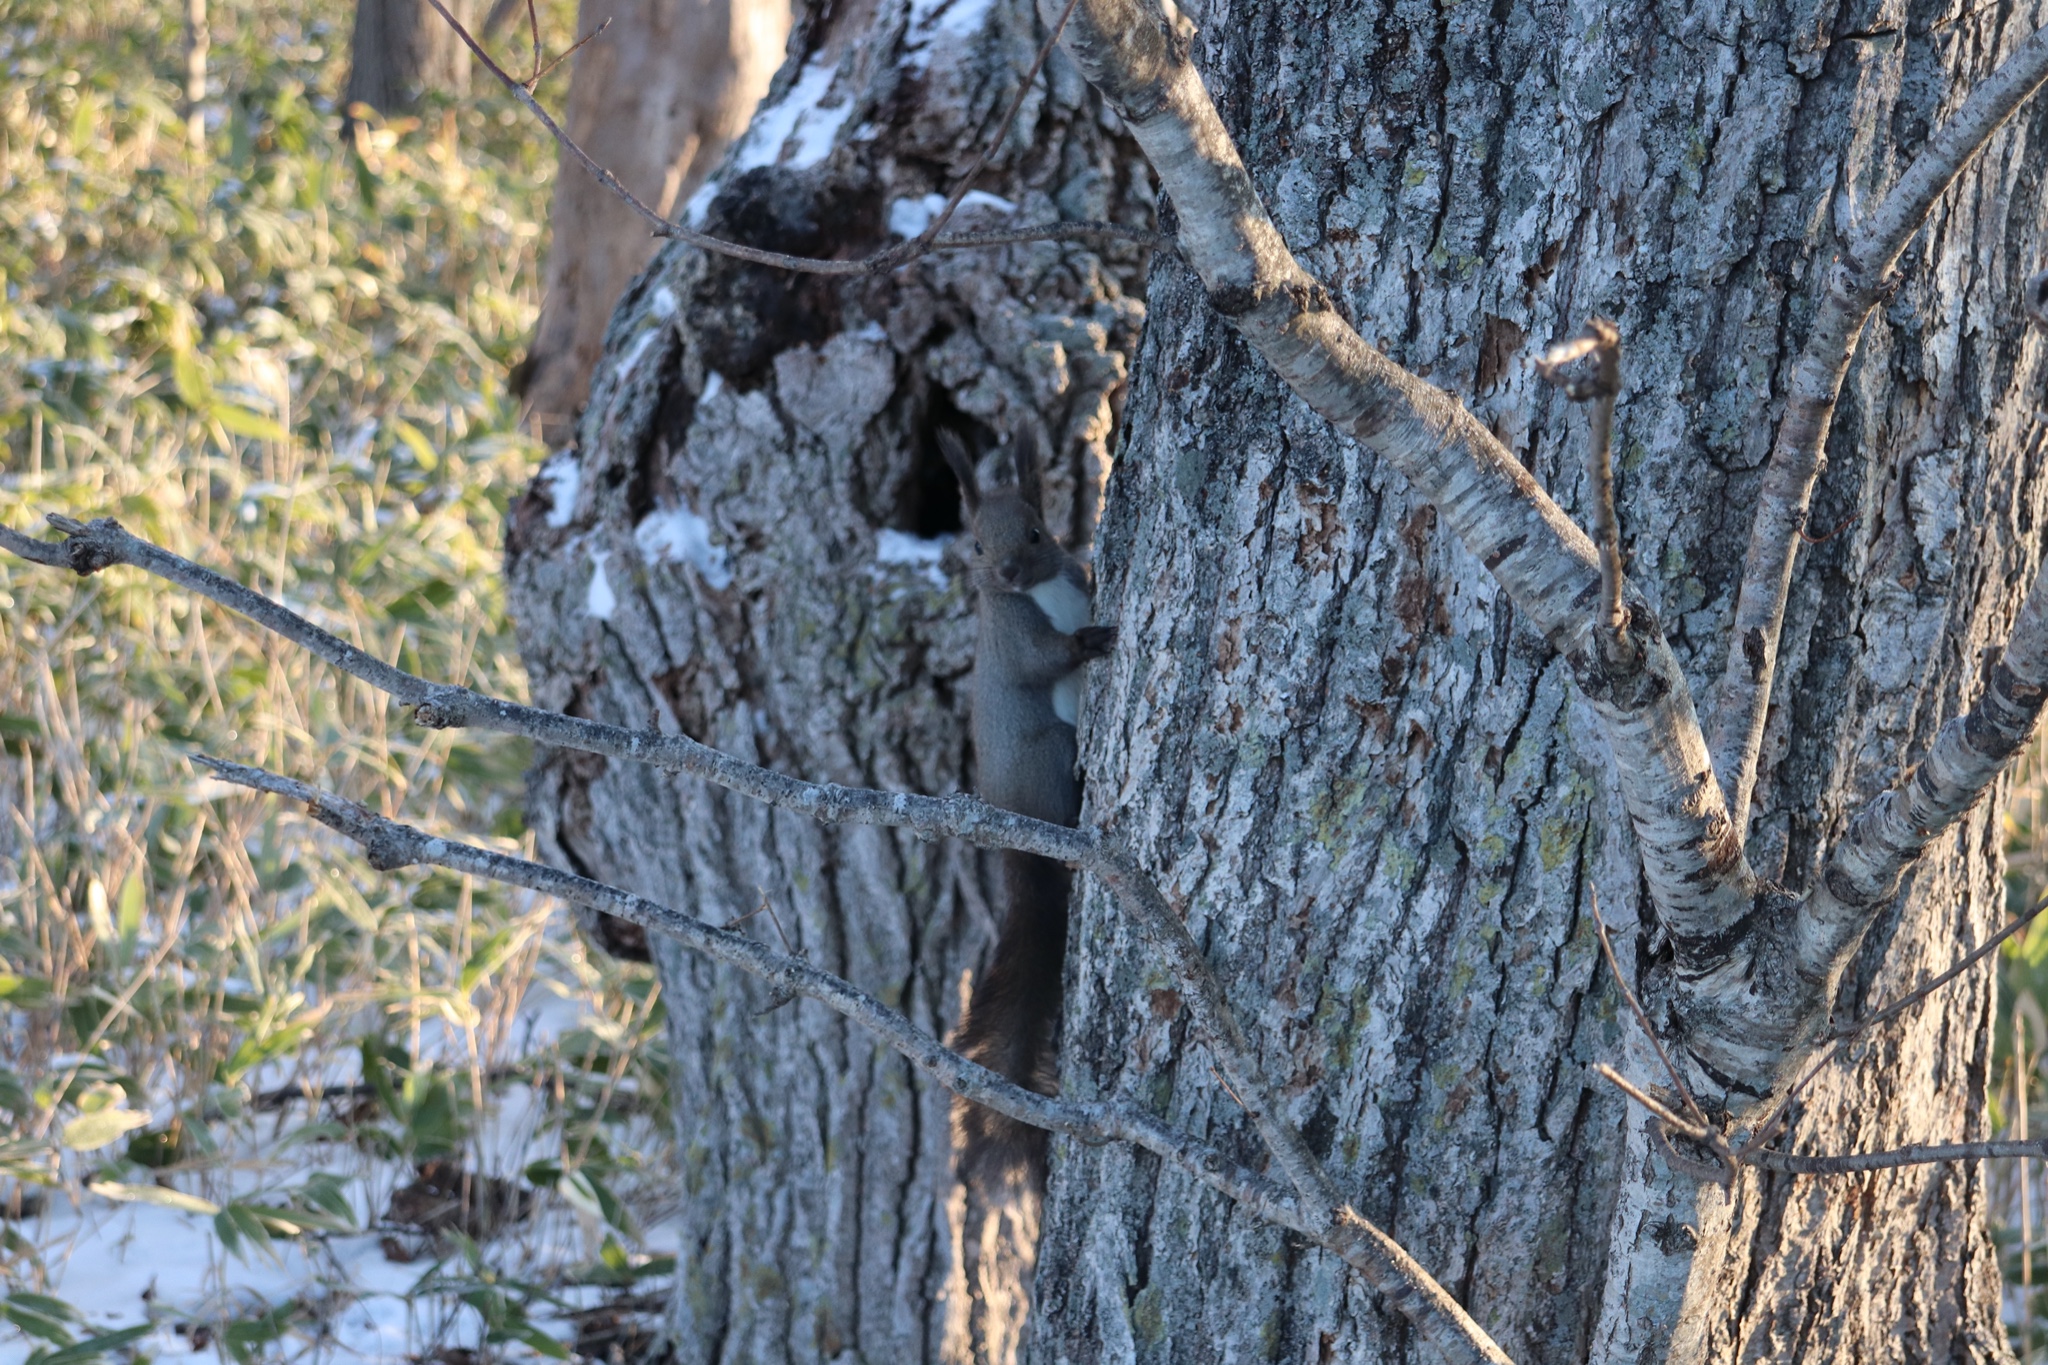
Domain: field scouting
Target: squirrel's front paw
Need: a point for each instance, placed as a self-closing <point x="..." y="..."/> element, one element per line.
<point x="1095" y="641"/>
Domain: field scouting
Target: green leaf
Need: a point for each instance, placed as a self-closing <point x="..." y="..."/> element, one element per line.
<point x="90" y="1132"/>
<point x="97" y="1346"/>
<point x="242" y="422"/>
<point x="538" y="1340"/>
<point x="188" y="372"/>
<point x="585" y="1191"/>
<point x="24" y="992"/>
<point x="255" y="1051"/>
<point x="416" y="441"/>
<point x="153" y="1194"/>
<point x="39" y="1315"/>
<point x="239" y="1223"/>
<point x="129" y="906"/>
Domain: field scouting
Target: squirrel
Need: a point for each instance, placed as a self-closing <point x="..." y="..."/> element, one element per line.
<point x="1034" y="636"/>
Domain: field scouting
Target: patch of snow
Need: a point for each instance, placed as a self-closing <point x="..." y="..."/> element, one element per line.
<point x="700" y="204"/>
<point x="797" y="116"/>
<point x="931" y="20"/>
<point x="908" y="217"/>
<point x="600" y="601"/>
<point x="678" y="535"/>
<point x="664" y="303"/>
<point x="713" y="382"/>
<point x="871" y="331"/>
<point x="563" y="477"/>
<point x="640" y="345"/>
<point x="900" y="547"/>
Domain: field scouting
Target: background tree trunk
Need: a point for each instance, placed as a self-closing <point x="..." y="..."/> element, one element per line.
<point x="400" y="49"/>
<point x="1380" y="802"/>
<point x="655" y="100"/>
<point x="744" y="546"/>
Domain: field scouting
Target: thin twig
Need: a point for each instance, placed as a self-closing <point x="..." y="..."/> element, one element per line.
<point x="390" y="845"/>
<point x="1921" y="1154"/>
<point x="878" y="264"/>
<point x="574" y="48"/>
<point x="533" y="28"/>
<point x="1692" y="1106"/>
<point x="1588" y="369"/>
<point x="924" y="239"/>
<point x="1769" y="1129"/>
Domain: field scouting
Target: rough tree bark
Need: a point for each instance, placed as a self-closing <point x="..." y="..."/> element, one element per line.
<point x="656" y="100"/>
<point x="1381" y="801"/>
<point x="399" y="49"/>
<point x="1383" y="804"/>
<point x="745" y="545"/>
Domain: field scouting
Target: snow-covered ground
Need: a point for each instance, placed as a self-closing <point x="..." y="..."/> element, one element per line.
<point x="378" y="1287"/>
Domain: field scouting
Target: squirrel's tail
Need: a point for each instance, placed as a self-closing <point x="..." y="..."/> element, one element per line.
<point x="1012" y="1019"/>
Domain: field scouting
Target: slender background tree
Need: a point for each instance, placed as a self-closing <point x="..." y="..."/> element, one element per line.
<point x="656" y="99"/>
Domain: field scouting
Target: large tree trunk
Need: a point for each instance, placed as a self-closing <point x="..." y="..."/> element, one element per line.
<point x="742" y="546"/>
<point x="655" y="100"/>
<point x="400" y="49"/>
<point x="1378" y="799"/>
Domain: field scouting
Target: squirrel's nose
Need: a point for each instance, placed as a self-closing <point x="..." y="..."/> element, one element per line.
<point x="1010" y="571"/>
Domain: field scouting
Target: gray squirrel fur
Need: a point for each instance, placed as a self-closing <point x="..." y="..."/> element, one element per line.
<point x="1033" y="640"/>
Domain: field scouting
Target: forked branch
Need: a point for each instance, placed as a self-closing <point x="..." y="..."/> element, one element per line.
<point x="1324" y="1214"/>
<point x="1859" y="278"/>
<point x="1138" y="57"/>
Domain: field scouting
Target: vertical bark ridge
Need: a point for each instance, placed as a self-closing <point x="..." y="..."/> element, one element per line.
<point x="1468" y="185"/>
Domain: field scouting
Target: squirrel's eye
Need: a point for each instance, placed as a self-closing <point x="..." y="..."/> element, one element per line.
<point x="977" y="547"/>
<point x="1034" y="535"/>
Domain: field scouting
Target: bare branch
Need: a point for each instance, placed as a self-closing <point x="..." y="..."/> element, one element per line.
<point x="880" y="263"/>
<point x="1137" y="57"/>
<point x="1588" y="369"/>
<point x="390" y="845"/>
<point x="1859" y="278"/>
<point x="1768" y="1130"/>
<point x="1692" y="1106"/>
<point x="1325" y="1215"/>
<point x="1888" y="835"/>
<point x="1920" y="1154"/>
<point x="930" y="235"/>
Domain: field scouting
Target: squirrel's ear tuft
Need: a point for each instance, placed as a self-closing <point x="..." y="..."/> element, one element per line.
<point x="1025" y="455"/>
<point x="962" y="465"/>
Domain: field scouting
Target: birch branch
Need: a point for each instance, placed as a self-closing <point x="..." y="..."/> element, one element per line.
<point x="1766" y="1000"/>
<point x="1138" y="57"/>
<point x="1326" y="1217"/>
<point x="1888" y="835"/>
<point x="1860" y="277"/>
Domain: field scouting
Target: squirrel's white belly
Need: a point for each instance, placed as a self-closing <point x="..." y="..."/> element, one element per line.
<point x="1066" y="606"/>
